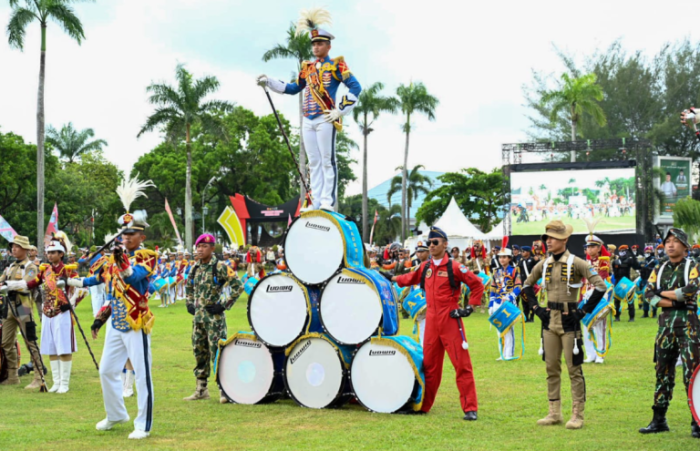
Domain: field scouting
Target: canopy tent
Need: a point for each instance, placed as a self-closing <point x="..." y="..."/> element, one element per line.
<point x="495" y="236"/>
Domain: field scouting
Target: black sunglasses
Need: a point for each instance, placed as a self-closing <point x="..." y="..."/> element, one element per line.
<point x="435" y="242"/>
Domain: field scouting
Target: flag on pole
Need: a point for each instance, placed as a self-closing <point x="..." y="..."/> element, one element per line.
<point x="6" y="230"/>
<point x="172" y="220"/>
<point x="371" y="233"/>
<point x="52" y="227"/>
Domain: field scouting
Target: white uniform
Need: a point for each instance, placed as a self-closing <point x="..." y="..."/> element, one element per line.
<point x="97" y="297"/>
<point x="58" y="335"/>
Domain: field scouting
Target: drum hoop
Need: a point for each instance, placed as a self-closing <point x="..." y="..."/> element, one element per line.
<point x="693" y="379"/>
<point x="320" y="300"/>
<point x="222" y="344"/>
<point x="345" y="371"/>
<point x="416" y="373"/>
<point x="307" y="324"/>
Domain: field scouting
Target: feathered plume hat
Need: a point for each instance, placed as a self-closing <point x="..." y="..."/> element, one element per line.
<point x="59" y="242"/>
<point x="505" y="250"/>
<point x="310" y="20"/>
<point x="128" y="191"/>
<point x="592" y="240"/>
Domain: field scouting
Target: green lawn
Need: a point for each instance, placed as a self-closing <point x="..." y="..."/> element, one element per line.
<point x="537" y="227"/>
<point x="512" y="397"/>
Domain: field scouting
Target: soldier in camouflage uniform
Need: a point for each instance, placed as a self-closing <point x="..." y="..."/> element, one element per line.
<point x="204" y="287"/>
<point x="673" y="286"/>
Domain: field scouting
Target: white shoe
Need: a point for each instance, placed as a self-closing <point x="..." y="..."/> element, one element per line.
<point x="327" y="207"/>
<point x="138" y="434"/>
<point x="590" y="360"/>
<point x="65" y="376"/>
<point x="56" y="374"/>
<point x="106" y="425"/>
<point x="599" y="360"/>
<point x="499" y="359"/>
<point x="128" y="386"/>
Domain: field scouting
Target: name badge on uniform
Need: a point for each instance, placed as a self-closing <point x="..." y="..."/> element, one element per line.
<point x="442" y="274"/>
<point x="429" y="273"/>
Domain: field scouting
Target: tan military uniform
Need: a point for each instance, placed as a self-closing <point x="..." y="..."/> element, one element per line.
<point x="22" y="307"/>
<point x="561" y="291"/>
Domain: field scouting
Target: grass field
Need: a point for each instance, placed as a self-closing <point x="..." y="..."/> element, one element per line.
<point x="512" y="396"/>
<point x="606" y="224"/>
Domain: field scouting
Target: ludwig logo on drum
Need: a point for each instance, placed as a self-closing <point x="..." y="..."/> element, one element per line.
<point x="247" y="343"/>
<point x="301" y="351"/>
<point x="342" y="279"/>
<point x="281" y="289"/>
<point x="311" y="225"/>
<point x="381" y="353"/>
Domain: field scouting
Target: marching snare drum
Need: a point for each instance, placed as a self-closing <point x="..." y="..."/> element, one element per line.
<point x="316" y="372"/>
<point x="160" y="284"/>
<point x="318" y="242"/>
<point x="624" y="290"/>
<point x="355" y="302"/>
<point x="247" y="371"/>
<point x="387" y="374"/>
<point x="281" y="309"/>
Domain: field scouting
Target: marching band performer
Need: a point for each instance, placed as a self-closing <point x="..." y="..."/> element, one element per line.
<point x="478" y="263"/>
<point x="622" y="267"/>
<point x="440" y="277"/>
<point x="561" y="318"/>
<point x="673" y="286"/>
<point x="505" y="287"/>
<point x="527" y="262"/>
<point x="97" y="292"/>
<point x="319" y="81"/>
<point x="599" y="259"/>
<point x="127" y="316"/>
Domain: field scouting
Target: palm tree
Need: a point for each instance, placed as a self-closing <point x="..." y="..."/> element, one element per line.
<point x="577" y="96"/>
<point x="416" y="184"/>
<point x="71" y="144"/>
<point x="177" y="111"/>
<point x="299" y="49"/>
<point x="60" y="12"/>
<point x="369" y="106"/>
<point x="413" y="98"/>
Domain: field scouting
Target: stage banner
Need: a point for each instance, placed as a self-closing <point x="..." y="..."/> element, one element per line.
<point x="6" y="230"/>
<point x="52" y="227"/>
<point x="172" y="221"/>
<point x="674" y="183"/>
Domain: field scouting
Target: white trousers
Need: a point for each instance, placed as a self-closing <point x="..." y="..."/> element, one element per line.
<point x="58" y="335"/>
<point x="97" y="297"/>
<point x="599" y="330"/>
<point x="509" y="343"/>
<point x="421" y="330"/>
<point x="119" y="346"/>
<point x="319" y="141"/>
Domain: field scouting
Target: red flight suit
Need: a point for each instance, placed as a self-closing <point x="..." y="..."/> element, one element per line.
<point x="442" y="332"/>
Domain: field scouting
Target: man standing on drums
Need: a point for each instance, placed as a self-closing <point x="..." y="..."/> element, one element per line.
<point x="561" y="318"/>
<point x="440" y="278"/>
<point x="673" y="286"/>
<point x="319" y="81"/>
<point x="204" y="288"/>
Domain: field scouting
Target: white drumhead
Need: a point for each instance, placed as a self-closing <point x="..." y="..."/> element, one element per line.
<point x="382" y="378"/>
<point x="350" y="309"/>
<point x="246" y="371"/>
<point x="695" y="394"/>
<point x="278" y="310"/>
<point x="314" y="373"/>
<point x="313" y="249"/>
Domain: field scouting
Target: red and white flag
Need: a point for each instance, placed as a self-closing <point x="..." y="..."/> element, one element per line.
<point x="172" y="220"/>
<point x="52" y="227"/>
<point x="6" y="230"/>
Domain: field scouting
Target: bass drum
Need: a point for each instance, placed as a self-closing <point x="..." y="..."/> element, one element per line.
<point x="387" y="374"/>
<point x="316" y="372"/>
<point x="694" y="394"/>
<point x="281" y="309"/>
<point x="319" y="242"/>
<point x="248" y="372"/>
<point x="355" y="302"/>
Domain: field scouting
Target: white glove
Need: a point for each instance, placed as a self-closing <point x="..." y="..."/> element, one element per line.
<point x="332" y="115"/>
<point x="16" y="285"/>
<point x="128" y="272"/>
<point x="261" y="80"/>
<point x="76" y="282"/>
<point x="61" y="284"/>
<point x="4" y="290"/>
<point x="76" y="294"/>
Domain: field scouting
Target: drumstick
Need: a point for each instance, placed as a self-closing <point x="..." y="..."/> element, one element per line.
<point x="465" y="345"/>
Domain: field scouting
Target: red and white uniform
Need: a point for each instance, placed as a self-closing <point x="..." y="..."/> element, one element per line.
<point x="442" y="332"/>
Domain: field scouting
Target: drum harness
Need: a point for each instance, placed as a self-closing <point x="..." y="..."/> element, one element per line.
<point x="450" y="275"/>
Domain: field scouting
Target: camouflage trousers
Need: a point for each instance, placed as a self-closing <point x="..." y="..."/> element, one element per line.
<point x="670" y="343"/>
<point x="205" y="343"/>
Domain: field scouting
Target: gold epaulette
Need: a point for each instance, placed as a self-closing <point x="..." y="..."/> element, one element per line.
<point x="72" y="267"/>
<point x="44" y="266"/>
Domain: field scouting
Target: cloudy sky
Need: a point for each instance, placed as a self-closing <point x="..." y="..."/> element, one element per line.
<point x="474" y="56"/>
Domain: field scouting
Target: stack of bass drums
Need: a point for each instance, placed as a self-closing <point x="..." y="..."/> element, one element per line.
<point x="325" y="331"/>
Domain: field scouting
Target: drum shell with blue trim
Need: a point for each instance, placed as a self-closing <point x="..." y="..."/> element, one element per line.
<point x="624" y="290"/>
<point x="505" y="316"/>
<point x="249" y="285"/>
<point x="599" y="312"/>
<point x="415" y="303"/>
<point x="281" y="309"/>
<point x="387" y="374"/>
<point x="171" y="281"/>
<point x="355" y="302"/>
<point x="249" y="372"/>
<point x="318" y="243"/>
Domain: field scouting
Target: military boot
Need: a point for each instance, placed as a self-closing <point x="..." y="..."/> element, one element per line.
<point x="12" y="378"/>
<point x="658" y="423"/>
<point x="554" y="415"/>
<point x="576" y="421"/>
<point x="36" y="383"/>
<point x="694" y="429"/>
<point x="201" y="392"/>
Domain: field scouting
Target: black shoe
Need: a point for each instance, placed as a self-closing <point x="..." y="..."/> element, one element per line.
<point x="631" y="320"/>
<point x="617" y="320"/>
<point x="645" y="315"/>
<point x="470" y="416"/>
<point x="694" y="429"/>
<point x="658" y="423"/>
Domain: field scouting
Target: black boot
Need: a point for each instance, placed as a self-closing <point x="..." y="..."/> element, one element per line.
<point x="631" y="320"/>
<point x="658" y="423"/>
<point x="694" y="429"/>
<point x="646" y="314"/>
<point x="470" y="416"/>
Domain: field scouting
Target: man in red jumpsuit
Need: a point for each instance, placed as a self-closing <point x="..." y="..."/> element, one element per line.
<point x="444" y="320"/>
